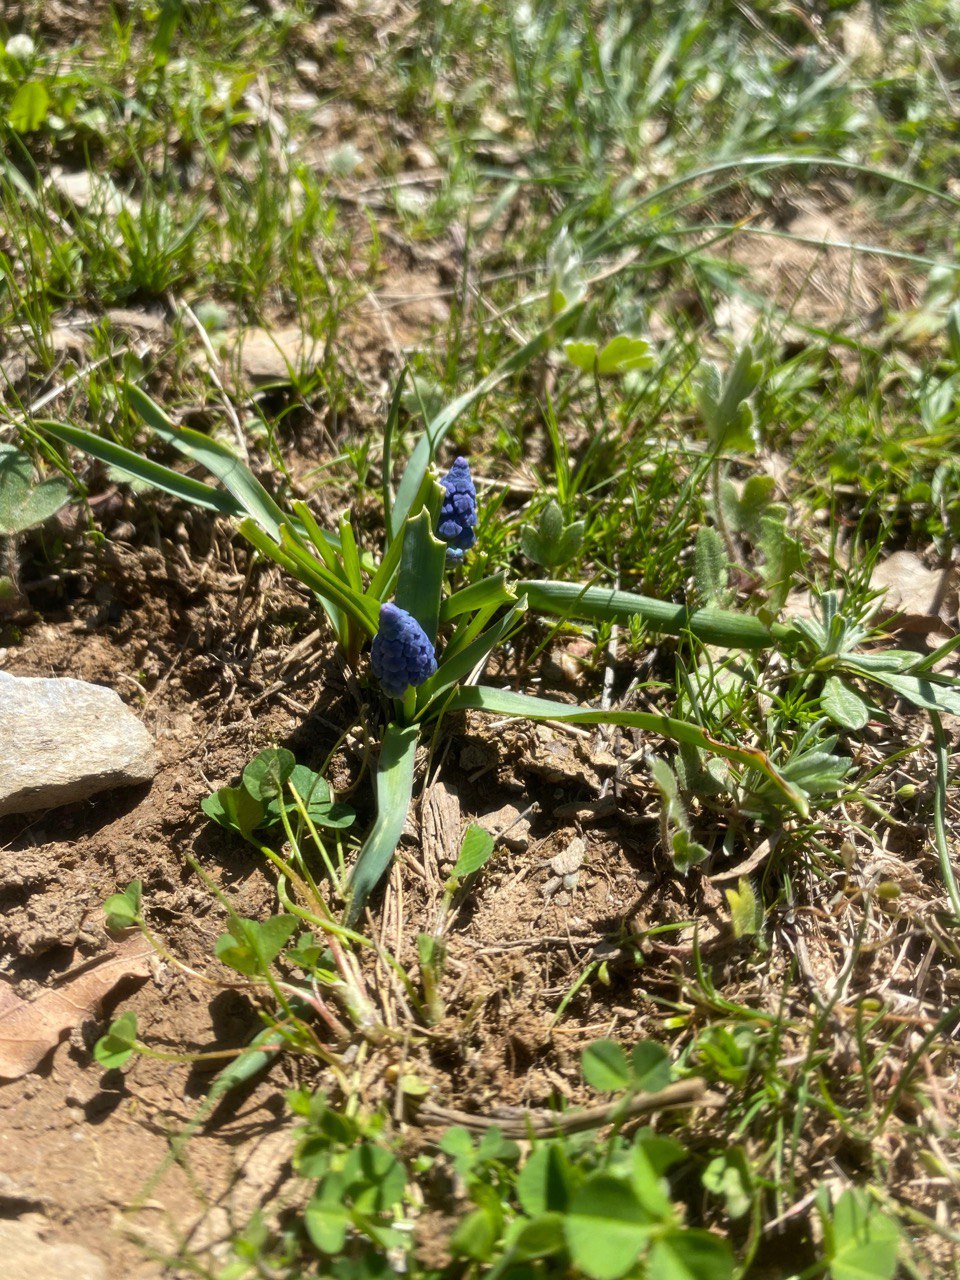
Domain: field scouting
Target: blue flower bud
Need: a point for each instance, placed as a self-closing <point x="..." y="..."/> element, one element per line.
<point x="401" y="656"/>
<point x="457" y="525"/>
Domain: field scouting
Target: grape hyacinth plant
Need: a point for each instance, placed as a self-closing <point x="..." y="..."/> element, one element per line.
<point x="402" y="603"/>
<point x="457" y="525"/>
<point x="430" y="637"/>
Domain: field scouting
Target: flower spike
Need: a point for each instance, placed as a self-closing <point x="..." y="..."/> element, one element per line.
<point x="401" y="655"/>
<point x="457" y="525"/>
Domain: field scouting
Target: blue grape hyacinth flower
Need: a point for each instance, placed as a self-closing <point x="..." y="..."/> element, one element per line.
<point x="402" y="657"/>
<point x="457" y="525"/>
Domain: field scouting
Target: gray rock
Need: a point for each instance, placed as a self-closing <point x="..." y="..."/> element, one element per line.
<point x="27" y="1256"/>
<point x="63" y="740"/>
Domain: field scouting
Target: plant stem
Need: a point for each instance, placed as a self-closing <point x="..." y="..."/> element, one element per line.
<point x="295" y="845"/>
<point x="718" y="513"/>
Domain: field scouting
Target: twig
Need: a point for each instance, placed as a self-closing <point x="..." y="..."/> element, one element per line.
<point x="540" y="1124"/>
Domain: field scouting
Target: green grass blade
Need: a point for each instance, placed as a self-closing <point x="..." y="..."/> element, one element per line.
<point x="928" y="663"/>
<point x="603" y="604"/>
<point x="233" y="474"/>
<point x="466" y="631"/>
<point x="143" y="469"/>
<point x="381" y="584"/>
<point x="394" y="788"/>
<point x="327" y="546"/>
<point x="353" y="602"/>
<point x="350" y="554"/>
<point x="300" y="564"/>
<point x="602" y="241"/>
<point x="389" y="430"/>
<point x="505" y="702"/>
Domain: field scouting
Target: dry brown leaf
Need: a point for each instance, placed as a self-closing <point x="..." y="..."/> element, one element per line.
<point x="70" y="341"/>
<point x="921" y="599"/>
<point x="917" y="599"/>
<point x="29" y="1029"/>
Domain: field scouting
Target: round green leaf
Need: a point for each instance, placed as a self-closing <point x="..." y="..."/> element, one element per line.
<point x="539" y="1238"/>
<point x="606" y="1228"/>
<point x="690" y="1255"/>
<point x="234" y="808"/>
<point x="265" y="775"/>
<point x="327" y="1225"/>
<point x="113" y="1049"/>
<point x="650" y="1066"/>
<point x="862" y="1240"/>
<point x="337" y="816"/>
<point x="623" y="353"/>
<point x="581" y="353"/>
<point x="23" y="502"/>
<point x="311" y="788"/>
<point x="29" y="107"/>
<point x="605" y="1066"/>
<point x="251" y="947"/>
<point x="476" y="1236"/>
<point x="123" y="909"/>
<point x="378" y="1178"/>
<point x="545" y="1181"/>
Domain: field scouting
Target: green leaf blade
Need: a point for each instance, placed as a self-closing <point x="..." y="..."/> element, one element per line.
<point x="603" y="604"/>
<point x="394" y="787"/>
<point x="422" y="564"/>
<point x="235" y="476"/>
<point x="437" y="429"/>
<point x="844" y="705"/>
<point x="143" y="470"/>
